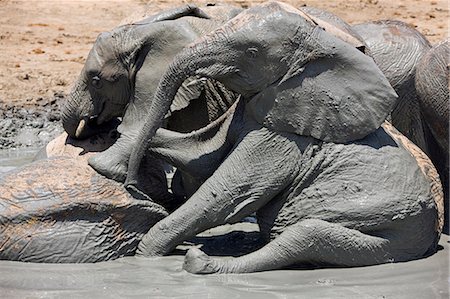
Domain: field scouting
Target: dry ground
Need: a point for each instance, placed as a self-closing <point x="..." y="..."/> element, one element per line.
<point x="44" y="43"/>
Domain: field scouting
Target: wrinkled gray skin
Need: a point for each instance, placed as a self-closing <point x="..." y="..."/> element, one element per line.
<point x="422" y="105"/>
<point x="122" y="72"/>
<point x="432" y="85"/>
<point x="59" y="210"/>
<point x="325" y="199"/>
<point x="335" y="25"/>
<point x="397" y="49"/>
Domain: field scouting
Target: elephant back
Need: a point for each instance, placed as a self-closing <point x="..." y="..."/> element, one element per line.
<point x="397" y="49"/>
<point x="57" y="210"/>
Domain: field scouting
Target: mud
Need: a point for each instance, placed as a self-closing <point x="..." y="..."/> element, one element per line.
<point x="163" y="278"/>
<point x="30" y="126"/>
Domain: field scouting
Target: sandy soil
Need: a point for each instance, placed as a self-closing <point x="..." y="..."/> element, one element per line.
<point x="44" y="43"/>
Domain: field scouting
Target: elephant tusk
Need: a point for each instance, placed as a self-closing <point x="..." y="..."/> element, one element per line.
<point x="80" y="128"/>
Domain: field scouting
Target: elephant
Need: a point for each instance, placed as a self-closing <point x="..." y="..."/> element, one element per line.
<point x="59" y="210"/>
<point x="400" y="52"/>
<point x="432" y="86"/>
<point x="397" y="49"/>
<point x="122" y="72"/>
<point x="303" y="147"/>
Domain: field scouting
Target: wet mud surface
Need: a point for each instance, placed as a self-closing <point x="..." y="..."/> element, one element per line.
<point x="163" y="278"/>
<point x="29" y="127"/>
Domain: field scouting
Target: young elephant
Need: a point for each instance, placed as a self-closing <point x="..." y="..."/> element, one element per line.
<point x="59" y="210"/>
<point x="303" y="148"/>
<point x="122" y="72"/>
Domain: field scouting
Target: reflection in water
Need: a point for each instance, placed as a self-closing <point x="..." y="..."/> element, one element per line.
<point x="163" y="277"/>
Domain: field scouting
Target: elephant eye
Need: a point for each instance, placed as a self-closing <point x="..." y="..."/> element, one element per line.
<point x="96" y="82"/>
<point x="251" y="52"/>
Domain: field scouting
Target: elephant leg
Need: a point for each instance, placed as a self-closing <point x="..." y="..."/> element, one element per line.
<point x="261" y="165"/>
<point x="309" y="241"/>
<point x="111" y="163"/>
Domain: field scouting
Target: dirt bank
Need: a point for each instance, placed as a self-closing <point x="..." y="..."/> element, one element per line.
<point x="44" y="44"/>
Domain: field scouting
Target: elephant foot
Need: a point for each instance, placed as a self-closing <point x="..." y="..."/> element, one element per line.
<point x="197" y="262"/>
<point x="109" y="165"/>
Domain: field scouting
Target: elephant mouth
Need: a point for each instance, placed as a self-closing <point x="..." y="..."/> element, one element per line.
<point x="86" y="124"/>
<point x="90" y="126"/>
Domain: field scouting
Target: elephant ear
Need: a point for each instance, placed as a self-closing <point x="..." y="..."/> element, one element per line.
<point x="332" y="92"/>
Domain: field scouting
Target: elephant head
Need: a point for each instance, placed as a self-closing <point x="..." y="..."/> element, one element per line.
<point x="107" y="83"/>
<point x="293" y="76"/>
<point x="122" y="73"/>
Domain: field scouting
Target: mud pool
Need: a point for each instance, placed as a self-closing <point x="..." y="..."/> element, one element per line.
<point x="163" y="277"/>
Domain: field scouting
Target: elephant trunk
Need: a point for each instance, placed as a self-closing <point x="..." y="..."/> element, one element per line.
<point x="78" y="113"/>
<point x="187" y="64"/>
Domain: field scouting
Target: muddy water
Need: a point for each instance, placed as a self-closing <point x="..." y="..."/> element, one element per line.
<point x="163" y="277"/>
<point x="12" y="158"/>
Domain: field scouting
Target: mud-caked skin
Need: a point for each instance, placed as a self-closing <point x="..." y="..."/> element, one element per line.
<point x="375" y="200"/>
<point x="336" y="26"/>
<point x="122" y="72"/>
<point x="303" y="147"/>
<point x="419" y="75"/>
<point x="432" y="83"/>
<point x="397" y="49"/>
<point x="59" y="210"/>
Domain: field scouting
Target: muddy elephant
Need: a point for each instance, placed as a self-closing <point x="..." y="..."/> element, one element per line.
<point x="432" y="86"/>
<point x="336" y="26"/>
<point x="122" y="72"/>
<point x="397" y="49"/>
<point x="59" y="210"/>
<point x="401" y="53"/>
<point x="303" y="148"/>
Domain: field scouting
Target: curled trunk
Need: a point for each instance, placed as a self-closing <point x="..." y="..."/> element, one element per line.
<point x="184" y="67"/>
